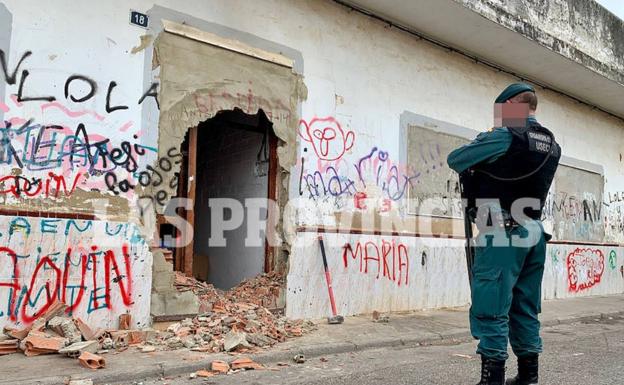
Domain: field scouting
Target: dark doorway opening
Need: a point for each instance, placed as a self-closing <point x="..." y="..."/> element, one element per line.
<point x="234" y="156"/>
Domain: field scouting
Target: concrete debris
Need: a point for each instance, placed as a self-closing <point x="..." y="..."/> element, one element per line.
<point x="70" y="331"/>
<point x="381" y="318"/>
<point x="81" y="382"/>
<point x="91" y="361"/>
<point x="107" y="343"/>
<point x="148" y="349"/>
<point x="74" y="350"/>
<point x="235" y="340"/>
<point x="120" y="338"/>
<point x="263" y="290"/>
<point x="237" y="320"/>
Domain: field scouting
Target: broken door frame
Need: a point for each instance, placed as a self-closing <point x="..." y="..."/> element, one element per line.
<point x="184" y="255"/>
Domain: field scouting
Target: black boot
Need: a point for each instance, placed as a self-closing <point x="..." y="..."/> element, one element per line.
<point x="527" y="371"/>
<point x="492" y="372"/>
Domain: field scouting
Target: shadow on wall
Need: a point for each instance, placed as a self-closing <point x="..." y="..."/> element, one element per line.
<point x="6" y="23"/>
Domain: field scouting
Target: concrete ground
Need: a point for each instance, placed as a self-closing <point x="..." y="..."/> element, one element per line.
<point x="580" y="325"/>
<point x="587" y="353"/>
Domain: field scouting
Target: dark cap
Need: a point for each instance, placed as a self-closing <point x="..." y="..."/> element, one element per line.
<point x="513" y="90"/>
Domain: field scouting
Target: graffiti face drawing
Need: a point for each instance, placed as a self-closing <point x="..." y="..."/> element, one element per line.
<point x="329" y="141"/>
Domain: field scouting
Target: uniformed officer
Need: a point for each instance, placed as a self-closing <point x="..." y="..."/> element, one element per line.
<point x="506" y="174"/>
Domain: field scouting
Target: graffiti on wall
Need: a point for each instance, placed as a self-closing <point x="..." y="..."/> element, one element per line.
<point x="585" y="268"/>
<point x="71" y="146"/>
<point x="373" y="180"/>
<point x="96" y="268"/>
<point x="384" y="260"/>
<point x="326" y="137"/>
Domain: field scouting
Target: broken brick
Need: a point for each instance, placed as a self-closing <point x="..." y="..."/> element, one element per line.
<point x="37" y="343"/>
<point x="246" y="364"/>
<point x="86" y="331"/>
<point x="91" y="361"/>
<point x="8" y="347"/>
<point x="204" y="373"/>
<point x="220" y="366"/>
<point x="124" y="321"/>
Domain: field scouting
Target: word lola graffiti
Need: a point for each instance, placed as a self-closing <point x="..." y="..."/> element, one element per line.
<point x="87" y="86"/>
<point x="391" y="259"/>
<point x="585" y="268"/>
<point x="329" y="141"/>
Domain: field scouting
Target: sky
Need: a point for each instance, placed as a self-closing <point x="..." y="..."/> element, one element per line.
<point x="615" y="6"/>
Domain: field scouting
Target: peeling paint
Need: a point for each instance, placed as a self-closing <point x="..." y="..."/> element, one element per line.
<point x="145" y="42"/>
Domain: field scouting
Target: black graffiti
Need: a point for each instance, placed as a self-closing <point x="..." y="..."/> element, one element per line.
<point x="152" y="92"/>
<point x="22" y="94"/>
<point x="25" y="146"/>
<point x="92" y="84"/>
<point x="11" y="79"/>
<point x="150" y="176"/>
<point x="110" y="109"/>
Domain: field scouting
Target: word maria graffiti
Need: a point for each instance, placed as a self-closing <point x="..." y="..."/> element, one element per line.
<point x="585" y="268"/>
<point x="96" y="268"/>
<point x="388" y="259"/>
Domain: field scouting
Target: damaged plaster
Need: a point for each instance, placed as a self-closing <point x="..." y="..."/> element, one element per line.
<point x="144" y="43"/>
<point x="197" y="80"/>
<point x="580" y="30"/>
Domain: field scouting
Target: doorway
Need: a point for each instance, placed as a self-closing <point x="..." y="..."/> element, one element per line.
<point x="231" y="160"/>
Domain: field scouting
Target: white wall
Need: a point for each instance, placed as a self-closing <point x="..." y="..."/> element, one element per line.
<point x="358" y="72"/>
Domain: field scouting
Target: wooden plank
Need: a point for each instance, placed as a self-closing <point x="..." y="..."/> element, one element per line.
<point x="229" y="44"/>
<point x="190" y="214"/>
<point x="270" y="251"/>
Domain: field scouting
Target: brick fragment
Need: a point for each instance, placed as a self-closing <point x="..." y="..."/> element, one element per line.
<point x="91" y="361"/>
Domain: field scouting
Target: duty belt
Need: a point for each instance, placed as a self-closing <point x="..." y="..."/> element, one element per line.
<point x="502" y="220"/>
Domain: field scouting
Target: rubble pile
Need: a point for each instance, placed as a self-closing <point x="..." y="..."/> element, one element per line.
<point x="230" y="326"/>
<point x="54" y="332"/>
<point x="235" y="320"/>
<point x="238" y="320"/>
<point x="263" y="290"/>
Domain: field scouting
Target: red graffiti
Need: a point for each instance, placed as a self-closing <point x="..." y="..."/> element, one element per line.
<point x="13" y="284"/>
<point x="52" y="186"/>
<point x="55" y="286"/>
<point x="329" y="141"/>
<point x="391" y="259"/>
<point x="585" y="268"/>
<point x="361" y="200"/>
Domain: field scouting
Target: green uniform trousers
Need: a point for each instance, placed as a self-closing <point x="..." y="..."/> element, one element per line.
<point x="506" y="290"/>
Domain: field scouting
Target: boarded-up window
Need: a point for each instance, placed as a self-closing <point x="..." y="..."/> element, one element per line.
<point x="575" y="205"/>
<point x="574" y="209"/>
<point x="436" y="191"/>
